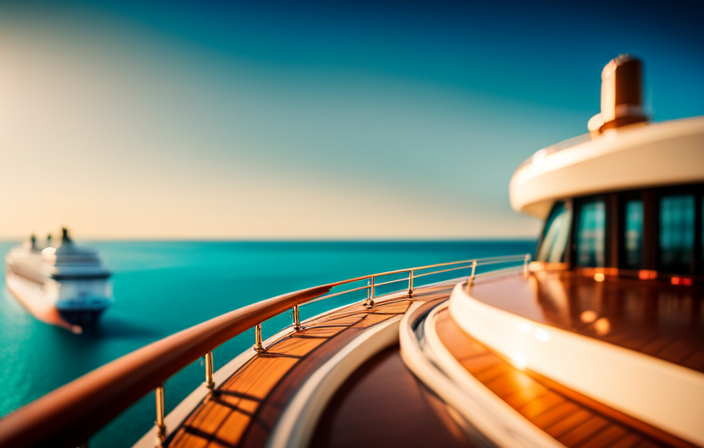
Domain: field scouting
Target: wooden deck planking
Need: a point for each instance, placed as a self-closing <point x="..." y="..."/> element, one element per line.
<point x="680" y="349"/>
<point x="568" y="422"/>
<point x="244" y="410"/>
<point x="556" y="414"/>
<point x="605" y="438"/>
<point x="695" y="360"/>
<point x="654" y="318"/>
<point x="566" y="415"/>
<point x="541" y="405"/>
<point x="402" y="411"/>
<point x="509" y="385"/>
<point x="627" y="441"/>
<point x="584" y="431"/>
<point x="525" y="395"/>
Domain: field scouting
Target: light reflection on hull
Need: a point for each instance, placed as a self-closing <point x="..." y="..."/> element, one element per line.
<point x="43" y="305"/>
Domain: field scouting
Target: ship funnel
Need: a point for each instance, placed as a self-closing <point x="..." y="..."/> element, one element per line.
<point x="621" y="95"/>
<point x="64" y="236"/>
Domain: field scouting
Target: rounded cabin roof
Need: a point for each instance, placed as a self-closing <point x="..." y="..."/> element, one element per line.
<point x="629" y="157"/>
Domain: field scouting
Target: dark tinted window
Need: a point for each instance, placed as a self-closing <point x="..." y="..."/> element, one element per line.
<point x="557" y="229"/>
<point x="633" y="237"/>
<point x="676" y="233"/>
<point x="590" y="234"/>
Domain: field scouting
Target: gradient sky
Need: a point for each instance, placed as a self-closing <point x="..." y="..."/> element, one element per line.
<point x="281" y="120"/>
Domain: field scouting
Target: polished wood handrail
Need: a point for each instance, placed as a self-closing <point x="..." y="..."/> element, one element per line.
<point x="71" y="414"/>
<point x="68" y="416"/>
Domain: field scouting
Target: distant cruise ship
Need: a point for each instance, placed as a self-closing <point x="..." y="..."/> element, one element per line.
<point x="66" y="286"/>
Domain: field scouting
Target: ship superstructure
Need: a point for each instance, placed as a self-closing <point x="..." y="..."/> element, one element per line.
<point x="66" y="285"/>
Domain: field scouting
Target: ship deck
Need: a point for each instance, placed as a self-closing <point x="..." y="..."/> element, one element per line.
<point x="383" y="404"/>
<point x="244" y="410"/>
<point x="657" y="319"/>
<point x="571" y="418"/>
<point x="405" y="412"/>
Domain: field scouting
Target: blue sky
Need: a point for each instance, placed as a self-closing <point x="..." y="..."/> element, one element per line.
<point x="308" y="120"/>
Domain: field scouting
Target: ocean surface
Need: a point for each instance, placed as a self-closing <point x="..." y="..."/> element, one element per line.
<point x="161" y="288"/>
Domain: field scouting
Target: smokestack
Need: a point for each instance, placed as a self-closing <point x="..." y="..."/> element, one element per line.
<point x="621" y="95"/>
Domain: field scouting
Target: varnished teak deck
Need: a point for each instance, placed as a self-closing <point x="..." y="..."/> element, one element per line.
<point x="383" y="405"/>
<point x="651" y="317"/>
<point x="658" y="320"/>
<point x="245" y="409"/>
<point x="571" y="418"/>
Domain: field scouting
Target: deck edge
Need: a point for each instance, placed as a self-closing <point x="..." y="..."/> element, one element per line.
<point x="479" y="406"/>
<point x="296" y="425"/>
<point x="590" y="366"/>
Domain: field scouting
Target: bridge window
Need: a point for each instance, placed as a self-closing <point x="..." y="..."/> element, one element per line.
<point x="633" y="237"/>
<point x="676" y="233"/>
<point x="555" y="234"/>
<point x="591" y="234"/>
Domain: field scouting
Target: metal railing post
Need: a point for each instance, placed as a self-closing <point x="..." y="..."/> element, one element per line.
<point x="370" y="293"/>
<point x="525" y="266"/>
<point x="296" y="319"/>
<point x="160" y="425"/>
<point x="410" y="283"/>
<point x="470" y="281"/>
<point x="209" y="382"/>
<point x="258" y="338"/>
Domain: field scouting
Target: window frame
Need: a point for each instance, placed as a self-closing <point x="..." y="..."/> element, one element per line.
<point x="568" y="209"/>
<point x="697" y="191"/>
<point x="576" y="218"/>
<point x="614" y="244"/>
<point x="620" y="239"/>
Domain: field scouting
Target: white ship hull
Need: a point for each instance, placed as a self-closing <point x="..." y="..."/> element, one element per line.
<point x="55" y="303"/>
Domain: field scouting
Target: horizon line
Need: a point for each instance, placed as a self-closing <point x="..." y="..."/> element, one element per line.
<point x="294" y="240"/>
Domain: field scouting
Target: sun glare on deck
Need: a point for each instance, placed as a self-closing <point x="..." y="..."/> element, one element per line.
<point x="602" y="326"/>
<point x="519" y="360"/>
<point x="588" y="316"/>
<point x="542" y="335"/>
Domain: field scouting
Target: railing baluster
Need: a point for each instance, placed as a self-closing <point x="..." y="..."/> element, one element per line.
<point x="258" y="338"/>
<point x="470" y="282"/>
<point x="297" y="319"/>
<point x="209" y="382"/>
<point x="160" y="424"/>
<point x="410" y="283"/>
<point x="370" y="293"/>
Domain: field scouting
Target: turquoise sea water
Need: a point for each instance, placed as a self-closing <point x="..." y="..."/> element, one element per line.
<point x="161" y="288"/>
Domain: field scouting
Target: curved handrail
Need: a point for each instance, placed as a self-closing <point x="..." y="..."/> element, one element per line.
<point x="69" y="415"/>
